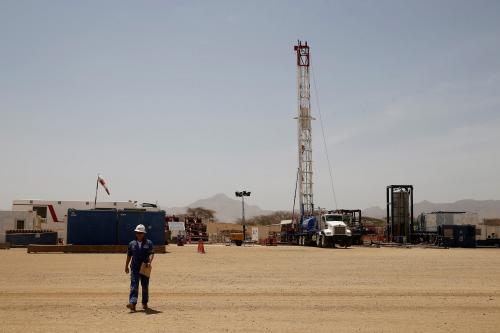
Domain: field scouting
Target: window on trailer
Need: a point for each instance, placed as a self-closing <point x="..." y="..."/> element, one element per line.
<point x="41" y="211"/>
<point x="19" y="224"/>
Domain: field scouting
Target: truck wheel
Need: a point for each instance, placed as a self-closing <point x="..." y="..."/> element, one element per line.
<point x="238" y="243"/>
<point x="319" y="241"/>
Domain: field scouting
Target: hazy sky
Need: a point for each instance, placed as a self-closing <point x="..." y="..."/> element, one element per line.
<point x="176" y="101"/>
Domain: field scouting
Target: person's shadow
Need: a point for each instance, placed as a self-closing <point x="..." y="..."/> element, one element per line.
<point x="148" y="311"/>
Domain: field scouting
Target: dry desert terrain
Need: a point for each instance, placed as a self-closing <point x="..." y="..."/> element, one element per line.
<point x="257" y="289"/>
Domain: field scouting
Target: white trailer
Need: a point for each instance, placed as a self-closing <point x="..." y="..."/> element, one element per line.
<point x="488" y="233"/>
<point x="431" y="221"/>
<point x="53" y="214"/>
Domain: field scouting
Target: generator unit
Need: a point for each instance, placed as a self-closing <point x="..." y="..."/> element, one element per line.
<point x="457" y="235"/>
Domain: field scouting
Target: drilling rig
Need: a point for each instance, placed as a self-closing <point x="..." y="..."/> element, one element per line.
<point x="313" y="227"/>
<point x="304" y="131"/>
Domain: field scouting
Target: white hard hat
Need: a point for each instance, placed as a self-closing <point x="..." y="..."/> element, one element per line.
<point x="140" y="228"/>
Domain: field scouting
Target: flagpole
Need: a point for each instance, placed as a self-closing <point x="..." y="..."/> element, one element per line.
<point x="96" y="188"/>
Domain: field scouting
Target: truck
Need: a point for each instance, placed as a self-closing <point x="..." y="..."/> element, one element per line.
<point x="326" y="230"/>
<point x="352" y="217"/>
<point x="237" y="238"/>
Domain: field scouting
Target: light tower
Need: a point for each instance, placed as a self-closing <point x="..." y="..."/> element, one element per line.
<point x="242" y="195"/>
<point x="304" y="118"/>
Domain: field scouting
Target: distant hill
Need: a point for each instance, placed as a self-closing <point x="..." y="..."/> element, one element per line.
<point x="226" y="208"/>
<point x="374" y="211"/>
<point x="485" y="208"/>
<point x="229" y="210"/>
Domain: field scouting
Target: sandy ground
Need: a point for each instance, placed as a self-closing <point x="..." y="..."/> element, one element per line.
<point x="257" y="289"/>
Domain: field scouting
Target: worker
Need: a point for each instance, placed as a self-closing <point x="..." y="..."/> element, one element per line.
<point x="139" y="251"/>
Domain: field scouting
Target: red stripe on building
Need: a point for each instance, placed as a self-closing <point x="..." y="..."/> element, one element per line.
<point x="52" y="213"/>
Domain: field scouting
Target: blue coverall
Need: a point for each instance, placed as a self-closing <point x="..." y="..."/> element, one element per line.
<point x="139" y="254"/>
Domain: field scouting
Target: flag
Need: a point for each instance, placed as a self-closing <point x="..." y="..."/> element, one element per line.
<point x="103" y="183"/>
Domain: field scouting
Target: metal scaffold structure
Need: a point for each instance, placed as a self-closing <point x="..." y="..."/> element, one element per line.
<point x="305" y="176"/>
<point x="399" y="212"/>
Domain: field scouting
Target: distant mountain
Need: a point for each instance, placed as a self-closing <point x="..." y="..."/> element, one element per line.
<point x="485" y="208"/>
<point x="375" y="211"/>
<point x="227" y="209"/>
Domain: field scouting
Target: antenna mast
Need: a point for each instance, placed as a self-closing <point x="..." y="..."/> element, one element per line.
<point x="304" y="118"/>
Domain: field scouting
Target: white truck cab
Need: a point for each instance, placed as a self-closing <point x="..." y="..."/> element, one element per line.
<point x="333" y="230"/>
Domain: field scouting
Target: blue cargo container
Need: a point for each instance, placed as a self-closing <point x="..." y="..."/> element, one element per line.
<point x="92" y="227"/>
<point x="153" y="221"/>
<point x="23" y="239"/>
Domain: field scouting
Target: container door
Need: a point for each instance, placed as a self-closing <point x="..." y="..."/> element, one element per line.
<point x="154" y="222"/>
<point x="92" y="227"/>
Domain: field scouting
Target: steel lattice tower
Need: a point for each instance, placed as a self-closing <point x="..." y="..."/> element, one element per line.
<point x="304" y="118"/>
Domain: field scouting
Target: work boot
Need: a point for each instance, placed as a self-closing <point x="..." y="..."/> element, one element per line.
<point x="145" y="306"/>
<point x="131" y="307"/>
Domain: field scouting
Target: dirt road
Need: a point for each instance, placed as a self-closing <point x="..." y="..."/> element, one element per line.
<point x="257" y="289"/>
